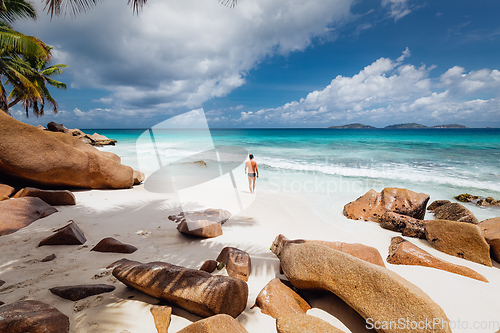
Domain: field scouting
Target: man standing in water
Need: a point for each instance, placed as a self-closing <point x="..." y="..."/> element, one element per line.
<point x="253" y="173"/>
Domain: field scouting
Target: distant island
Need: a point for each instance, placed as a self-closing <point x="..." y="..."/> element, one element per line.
<point x="450" y="126"/>
<point x="406" y="126"/>
<point x="353" y="126"/>
<point x="396" y="126"/>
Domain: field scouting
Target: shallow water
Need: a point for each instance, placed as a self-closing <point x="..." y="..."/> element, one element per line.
<point x="332" y="167"/>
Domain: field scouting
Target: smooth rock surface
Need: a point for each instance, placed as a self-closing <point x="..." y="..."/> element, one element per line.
<point x="56" y="159"/>
<point x="162" y="316"/>
<point x="110" y="244"/>
<point x="196" y="291"/>
<point x="301" y="323"/>
<point x="373" y="291"/>
<point x="459" y="239"/>
<point x="70" y="234"/>
<point x="216" y="324"/>
<point x="18" y="213"/>
<point x="403" y="252"/>
<point x="33" y="317"/>
<point x="407" y="225"/>
<point x="491" y="232"/>
<point x="238" y="263"/>
<point x="74" y="293"/>
<point x="455" y="212"/>
<point x="138" y="177"/>
<point x="5" y="191"/>
<point x="209" y="266"/>
<point x="276" y="299"/>
<point x="372" y="205"/>
<point x="52" y="197"/>
<point x="206" y="223"/>
<point x="361" y="251"/>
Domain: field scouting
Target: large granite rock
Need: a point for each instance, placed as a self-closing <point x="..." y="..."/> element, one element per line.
<point x="52" y="197"/>
<point x="32" y="317"/>
<point x="276" y="299"/>
<point x="110" y="244"/>
<point x="408" y="226"/>
<point x="19" y="213"/>
<point x="215" y="324"/>
<point x="238" y="263"/>
<point x="206" y="223"/>
<point x="463" y="240"/>
<point x="5" y="191"/>
<point x="375" y="292"/>
<point x="193" y="290"/>
<point x="361" y="251"/>
<point x="300" y="323"/>
<point x="55" y="127"/>
<point x="101" y="140"/>
<point x="75" y="293"/>
<point x="56" y="159"/>
<point x="70" y="234"/>
<point x="162" y="316"/>
<point x="403" y="252"/>
<point x="372" y="205"/>
<point x="437" y="203"/>
<point x="491" y="233"/>
<point x="454" y="212"/>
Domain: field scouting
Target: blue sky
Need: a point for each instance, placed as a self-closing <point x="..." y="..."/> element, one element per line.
<point x="277" y="64"/>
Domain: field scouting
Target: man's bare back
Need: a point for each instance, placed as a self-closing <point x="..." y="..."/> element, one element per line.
<point x="253" y="173"/>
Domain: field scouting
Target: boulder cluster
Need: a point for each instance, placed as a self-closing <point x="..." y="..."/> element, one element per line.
<point x="478" y="200"/>
<point x="455" y="230"/>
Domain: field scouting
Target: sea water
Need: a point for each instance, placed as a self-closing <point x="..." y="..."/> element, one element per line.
<point x="331" y="167"/>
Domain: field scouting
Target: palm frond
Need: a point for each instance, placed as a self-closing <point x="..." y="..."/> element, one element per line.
<point x="137" y="5"/>
<point x="11" y="40"/>
<point x="56" y="7"/>
<point x="229" y="3"/>
<point x="17" y="9"/>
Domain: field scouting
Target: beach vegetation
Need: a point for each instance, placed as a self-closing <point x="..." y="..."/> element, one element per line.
<point x="24" y="63"/>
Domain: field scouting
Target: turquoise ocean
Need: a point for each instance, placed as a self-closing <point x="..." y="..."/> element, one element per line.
<point x="331" y="167"/>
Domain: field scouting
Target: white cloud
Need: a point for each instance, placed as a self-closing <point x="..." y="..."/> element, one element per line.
<point x="398" y="8"/>
<point x="181" y="53"/>
<point x="389" y="91"/>
<point x="78" y="112"/>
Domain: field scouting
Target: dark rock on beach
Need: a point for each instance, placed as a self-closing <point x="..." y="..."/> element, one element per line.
<point x="110" y="244"/>
<point x="455" y="212"/>
<point x="372" y="205"/>
<point x="215" y="324"/>
<point x="408" y="226"/>
<point x="238" y="263"/>
<point x="70" y="234"/>
<point x="50" y="257"/>
<point x="52" y="197"/>
<point x="276" y="299"/>
<point x="373" y="291"/>
<point x="463" y="240"/>
<point x="209" y="266"/>
<point x="75" y="293"/>
<point x="206" y="223"/>
<point x="437" y="203"/>
<point x="194" y="290"/>
<point x="18" y="213"/>
<point x="33" y="317"/>
<point x="403" y="252"/>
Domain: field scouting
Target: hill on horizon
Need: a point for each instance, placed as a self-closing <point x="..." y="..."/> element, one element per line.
<point x="352" y="126"/>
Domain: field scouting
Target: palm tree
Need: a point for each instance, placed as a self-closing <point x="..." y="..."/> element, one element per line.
<point x="53" y="7"/>
<point x="24" y="62"/>
<point x="35" y="94"/>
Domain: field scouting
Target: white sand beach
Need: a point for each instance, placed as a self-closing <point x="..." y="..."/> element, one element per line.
<point x="138" y="217"/>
